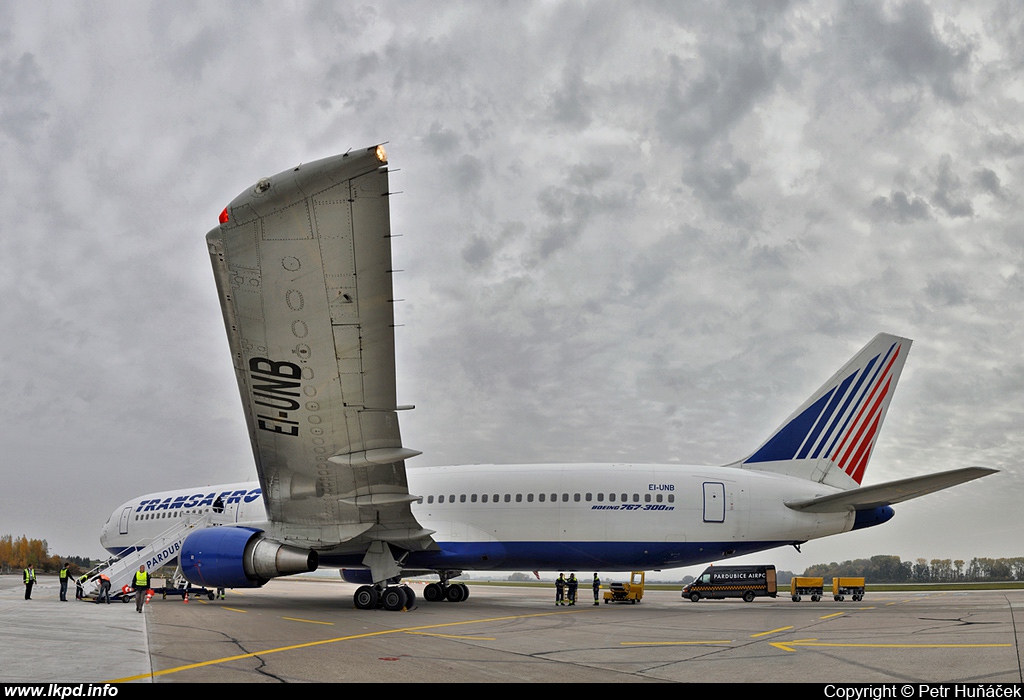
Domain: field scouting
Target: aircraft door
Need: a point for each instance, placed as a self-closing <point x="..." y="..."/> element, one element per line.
<point x="122" y="526"/>
<point x="714" y="502"/>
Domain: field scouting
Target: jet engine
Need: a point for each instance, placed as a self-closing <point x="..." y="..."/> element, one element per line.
<point x="240" y="557"/>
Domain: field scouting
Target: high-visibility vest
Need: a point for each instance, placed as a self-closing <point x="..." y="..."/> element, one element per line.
<point x="30" y="575"/>
<point x="141" y="579"/>
<point x="63" y="574"/>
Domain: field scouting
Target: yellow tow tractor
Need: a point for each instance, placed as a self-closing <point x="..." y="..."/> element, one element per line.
<point x="630" y="592"/>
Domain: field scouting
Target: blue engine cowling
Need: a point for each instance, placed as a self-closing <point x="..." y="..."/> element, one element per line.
<point x="240" y="557"/>
<point x="870" y="518"/>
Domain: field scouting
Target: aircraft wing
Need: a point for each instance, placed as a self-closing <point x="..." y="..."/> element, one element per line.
<point x="303" y="268"/>
<point x="869" y="497"/>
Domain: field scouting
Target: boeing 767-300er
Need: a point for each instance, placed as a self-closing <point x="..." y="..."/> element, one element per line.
<point x="302" y="262"/>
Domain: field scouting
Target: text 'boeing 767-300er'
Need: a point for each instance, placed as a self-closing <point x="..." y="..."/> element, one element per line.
<point x="302" y="262"/>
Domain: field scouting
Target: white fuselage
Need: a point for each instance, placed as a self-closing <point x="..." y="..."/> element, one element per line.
<point x="607" y="516"/>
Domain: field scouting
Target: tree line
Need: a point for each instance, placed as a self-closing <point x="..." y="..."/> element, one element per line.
<point x="885" y="568"/>
<point x="17" y="554"/>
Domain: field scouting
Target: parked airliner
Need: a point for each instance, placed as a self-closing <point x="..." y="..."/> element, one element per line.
<point x="302" y="262"/>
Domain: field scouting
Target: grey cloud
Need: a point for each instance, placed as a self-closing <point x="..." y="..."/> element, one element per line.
<point x="572" y="101"/>
<point x="899" y="208"/>
<point x="989" y="181"/>
<point x="901" y="45"/>
<point x="22" y="93"/>
<point x="440" y="139"/>
<point x="477" y="252"/>
<point x="945" y="290"/>
<point x="947" y="191"/>
<point x="702" y="102"/>
<point x="468" y="173"/>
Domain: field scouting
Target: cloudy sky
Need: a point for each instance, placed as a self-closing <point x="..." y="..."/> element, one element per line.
<point x="629" y="232"/>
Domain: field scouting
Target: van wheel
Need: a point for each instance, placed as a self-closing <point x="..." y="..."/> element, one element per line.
<point x="695" y="597"/>
<point x="748" y="597"/>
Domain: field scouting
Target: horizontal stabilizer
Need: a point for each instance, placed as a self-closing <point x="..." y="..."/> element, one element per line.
<point x="868" y="497"/>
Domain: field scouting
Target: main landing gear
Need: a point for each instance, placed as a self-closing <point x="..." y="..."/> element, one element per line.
<point x="453" y="593"/>
<point x="387" y="597"/>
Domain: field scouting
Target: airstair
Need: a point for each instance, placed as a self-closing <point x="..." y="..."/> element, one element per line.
<point x="161" y="550"/>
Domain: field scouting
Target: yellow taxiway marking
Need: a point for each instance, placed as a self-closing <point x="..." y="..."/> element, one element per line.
<point x="658" y="644"/>
<point x="825" y="617"/>
<point x="321" y="642"/>
<point x="234" y="609"/>
<point x="765" y="634"/>
<point x="788" y="646"/>
<point x="454" y="636"/>
<point x="312" y="622"/>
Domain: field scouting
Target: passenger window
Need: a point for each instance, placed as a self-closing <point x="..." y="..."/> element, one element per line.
<point x="576" y="497"/>
<point x="430" y="499"/>
<point x="565" y="498"/>
<point x="472" y="498"/>
<point x="611" y="497"/>
<point x="508" y="498"/>
<point x="462" y="498"/>
<point x="657" y="497"/>
<point x="540" y="497"/>
<point x="483" y="498"/>
<point x="519" y="498"/>
<point x="600" y="497"/>
<point x="529" y="498"/>
<point x="588" y="498"/>
<point x="636" y="498"/>
<point x="647" y="498"/>
<point x="671" y="498"/>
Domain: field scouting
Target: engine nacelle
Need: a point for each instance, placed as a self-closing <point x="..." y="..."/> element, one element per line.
<point x="240" y="557"/>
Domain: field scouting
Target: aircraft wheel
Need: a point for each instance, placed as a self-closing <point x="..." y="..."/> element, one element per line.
<point x="393" y="598"/>
<point x="456" y="593"/>
<point x="366" y="598"/>
<point x="695" y="597"/>
<point x="210" y="595"/>
<point x="465" y="591"/>
<point x="433" y="593"/>
<point x="410" y="597"/>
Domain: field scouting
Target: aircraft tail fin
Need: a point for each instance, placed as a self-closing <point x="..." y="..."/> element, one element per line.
<point x="829" y="439"/>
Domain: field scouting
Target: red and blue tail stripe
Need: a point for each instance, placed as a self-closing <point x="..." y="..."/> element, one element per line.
<point x="841" y="421"/>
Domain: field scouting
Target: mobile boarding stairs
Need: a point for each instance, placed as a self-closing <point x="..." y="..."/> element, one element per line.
<point x="163" y="549"/>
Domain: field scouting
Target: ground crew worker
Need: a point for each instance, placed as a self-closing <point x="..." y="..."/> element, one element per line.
<point x="141" y="585"/>
<point x="573" y="585"/>
<point x="63" y="576"/>
<point x="104" y="589"/>
<point x="79" y="586"/>
<point x="597" y="587"/>
<point x="560" y="590"/>
<point x="30" y="580"/>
